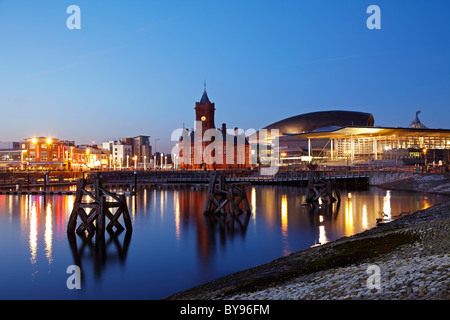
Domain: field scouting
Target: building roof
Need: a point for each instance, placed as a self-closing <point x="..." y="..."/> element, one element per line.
<point x="312" y="121"/>
<point x="204" y="98"/>
<point x="366" y="132"/>
<point x="416" y="122"/>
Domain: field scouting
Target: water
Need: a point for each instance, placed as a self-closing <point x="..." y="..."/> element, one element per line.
<point x="173" y="246"/>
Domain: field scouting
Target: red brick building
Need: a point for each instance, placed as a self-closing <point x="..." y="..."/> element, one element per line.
<point x="212" y="148"/>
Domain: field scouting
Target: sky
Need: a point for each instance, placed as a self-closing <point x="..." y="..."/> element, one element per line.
<point x="138" y="67"/>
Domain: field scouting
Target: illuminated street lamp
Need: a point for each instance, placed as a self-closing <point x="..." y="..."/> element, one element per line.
<point x="145" y="163"/>
<point x="135" y="159"/>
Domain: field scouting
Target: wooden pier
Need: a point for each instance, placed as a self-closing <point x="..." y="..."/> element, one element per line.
<point x="220" y="194"/>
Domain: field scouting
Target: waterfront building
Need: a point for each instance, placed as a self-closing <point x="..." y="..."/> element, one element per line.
<point x="340" y="137"/>
<point x="120" y="154"/>
<point x="43" y="153"/>
<point x="231" y="152"/>
<point x="10" y="154"/>
<point x="293" y="149"/>
<point x="140" y="148"/>
<point x="413" y="145"/>
<point x="92" y="157"/>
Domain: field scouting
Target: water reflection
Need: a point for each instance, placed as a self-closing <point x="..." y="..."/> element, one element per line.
<point x="226" y="226"/>
<point x="33" y="232"/>
<point x="175" y="246"/>
<point x="387" y="205"/>
<point x="48" y="235"/>
<point x="98" y="252"/>
<point x="349" y="228"/>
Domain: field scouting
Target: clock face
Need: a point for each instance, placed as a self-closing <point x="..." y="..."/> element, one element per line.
<point x="203" y="118"/>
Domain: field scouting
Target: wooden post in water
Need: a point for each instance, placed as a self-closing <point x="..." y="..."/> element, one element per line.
<point x="318" y="187"/>
<point x="93" y="220"/>
<point x="220" y="194"/>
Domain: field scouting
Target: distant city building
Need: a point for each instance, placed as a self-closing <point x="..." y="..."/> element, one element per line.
<point x="141" y="148"/>
<point x="121" y="155"/>
<point x="10" y="153"/>
<point x="9" y="145"/>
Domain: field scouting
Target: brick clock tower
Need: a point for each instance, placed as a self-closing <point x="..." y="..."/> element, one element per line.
<point x="204" y="113"/>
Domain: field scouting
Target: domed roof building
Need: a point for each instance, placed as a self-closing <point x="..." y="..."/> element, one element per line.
<point x="292" y="147"/>
<point x="315" y="120"/>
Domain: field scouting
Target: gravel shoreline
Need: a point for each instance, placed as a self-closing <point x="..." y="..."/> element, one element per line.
<point x="411" y="256"/>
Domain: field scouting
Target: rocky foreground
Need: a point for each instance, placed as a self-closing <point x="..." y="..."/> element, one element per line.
<point x="405" y="259"/>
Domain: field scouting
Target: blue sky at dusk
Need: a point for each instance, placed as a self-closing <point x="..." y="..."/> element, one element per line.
<point x="138" y="67"/>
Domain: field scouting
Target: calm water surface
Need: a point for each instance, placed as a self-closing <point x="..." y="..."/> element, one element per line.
<point x="173" y="246"/>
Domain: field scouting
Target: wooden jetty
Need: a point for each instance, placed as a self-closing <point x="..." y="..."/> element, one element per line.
<point x="323" y="189"/>
<point x="94" y="221"/>
<point x="220" y="194"/>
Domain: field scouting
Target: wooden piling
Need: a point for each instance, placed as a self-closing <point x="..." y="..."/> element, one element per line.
<point x="220" y="194"/>
<point x="94" y="221"/>
<point x="325" y="189"/>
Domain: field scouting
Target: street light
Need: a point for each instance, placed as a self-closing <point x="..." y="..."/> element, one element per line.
<point x="135" y="159"/>
<point x="128" y="157"/>
<point x="155" y="146"/>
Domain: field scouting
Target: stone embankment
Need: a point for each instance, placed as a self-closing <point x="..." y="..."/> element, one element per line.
<point x="431" y="183"/>
<point x="405" y="259"/>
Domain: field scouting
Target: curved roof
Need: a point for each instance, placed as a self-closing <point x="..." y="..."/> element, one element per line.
<point x="312" y="121"/>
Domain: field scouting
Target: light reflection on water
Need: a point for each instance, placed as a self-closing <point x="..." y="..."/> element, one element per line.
<point x="173" y="246"/>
